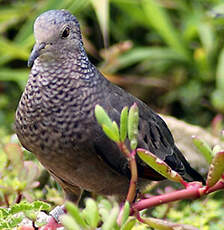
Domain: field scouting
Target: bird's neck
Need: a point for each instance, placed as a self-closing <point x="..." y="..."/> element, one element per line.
<point x="73" y="70"/>
<point x="67" y="63"/>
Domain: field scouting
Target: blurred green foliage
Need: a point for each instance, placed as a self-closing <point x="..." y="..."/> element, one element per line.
<point x="172" y="54"/>
<point x="206" y="215"/>
<point x="12" y="217"/>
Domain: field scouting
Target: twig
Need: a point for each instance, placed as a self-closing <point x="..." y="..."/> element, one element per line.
<point x="134" y="173"/>
<point x="134" y="177"/>
<point x="18" y="197"/>
<point x="6" y="198"/>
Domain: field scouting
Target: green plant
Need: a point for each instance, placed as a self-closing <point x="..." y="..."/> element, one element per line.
<point x="11" y="217"/>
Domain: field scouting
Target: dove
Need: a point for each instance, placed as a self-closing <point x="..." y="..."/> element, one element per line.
<point x="55" y="117"/>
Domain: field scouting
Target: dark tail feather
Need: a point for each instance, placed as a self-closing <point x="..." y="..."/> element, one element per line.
<point x="191" y="174"/>
<point x="194" y="174"/>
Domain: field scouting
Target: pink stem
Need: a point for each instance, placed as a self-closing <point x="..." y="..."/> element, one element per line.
<point x="134" y="173"/>
<point x="191" y="192"/>
<point x="165" y="198"/>
<point x="219" y="185"/>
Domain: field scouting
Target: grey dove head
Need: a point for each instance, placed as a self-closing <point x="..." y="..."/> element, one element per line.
<point x="56" y="32"/>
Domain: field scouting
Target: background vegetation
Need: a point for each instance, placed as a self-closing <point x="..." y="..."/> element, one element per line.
<point x="169" y="53"/>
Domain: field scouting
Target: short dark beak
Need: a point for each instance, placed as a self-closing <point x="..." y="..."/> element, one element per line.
<point x="35" y="53"/>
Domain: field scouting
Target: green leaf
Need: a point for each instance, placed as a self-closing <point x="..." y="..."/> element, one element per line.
<point x="123" y="124"/>
<point x="69" y="223"/>
<point x="41" y="206"/>
<point x="216" y="149"/>
<point x="22" y="206"/>
<point x="14" y="74"/>
<point x="105" y="203"/>
<point x="207" y="36"/>
<point x="31" y="214"/>
<point x="165" y="225"/>
<point x="102" y="11"/>
<point x="110" y="128"/>
<point x="220" y="71"/>
<point x="76" y="6"/>
<point x="216" y="169"/>
<point x="13" y="222"/>
<point x="133" y="118"/>
<point x="159" y="19"/>
<point x="203" y="147"/>
<point x="217" y="99"/>
<point x="140" y="54"/>
<point x="126" y="212"/>
<point x="102" y="117"/>
<point x="110" y="133"/>
<point x="129" y="224"/>
<point x="132" y="9"/>
<point x="110" y="222"/>
<point x="13" y="50"/>
<point x="4" y="212"/>
<point x="104" y="213"/>
<point x="74" y="211"/>
<point x="105" y="207"/>
<point x="158" y="165"/>
<point x="116" y="131"/>
<point x="91" y="213"/>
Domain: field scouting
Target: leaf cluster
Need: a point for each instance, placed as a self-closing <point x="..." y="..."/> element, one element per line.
<point x="11" y="217"/>
<point x="103" y="212"/>
<point x="18" y="175"/>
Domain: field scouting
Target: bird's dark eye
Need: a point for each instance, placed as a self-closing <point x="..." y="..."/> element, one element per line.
<point x="65" y="32"/>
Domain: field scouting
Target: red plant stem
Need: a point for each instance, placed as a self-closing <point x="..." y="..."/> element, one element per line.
<point x="134" y="176"/>
<point x="165" y="198"/>
<point x="192" y="190"/>
<point x="134" y="173"/>
<point x="138" y="217"/>
<point x="219" y="185"/>
<point x="189" y="193"/>
<point x="124" y="149"/>
<point x="184" y="183"/>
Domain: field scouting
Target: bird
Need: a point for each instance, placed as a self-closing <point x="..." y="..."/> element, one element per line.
<point x="55" y="117"/>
